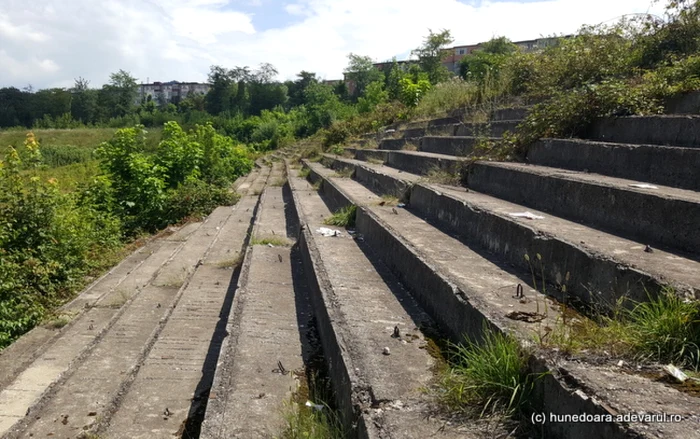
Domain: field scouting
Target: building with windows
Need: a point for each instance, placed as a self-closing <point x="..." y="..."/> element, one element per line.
<point x="170" y="92"/>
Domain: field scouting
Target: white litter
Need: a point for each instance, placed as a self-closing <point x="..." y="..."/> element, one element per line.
<point x="318" y="407"/>
<point x="528" y="215"/>
<point x="644" y="186"/>
<point x="270" y="245"/>
<point x="325" y="231"/>
<point x="675" y="372"/>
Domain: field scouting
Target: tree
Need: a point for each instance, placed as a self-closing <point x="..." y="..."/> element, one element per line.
<point x="374" y="95"/>
<point x="431" y="54"/>
<point x="487" y="60"/>
<point x="121" y="92"/>
<point x="361" y="72"/>
<point x="84" y="106"/>
<point x="296" y="89"/>
<point x="222" y="91"/>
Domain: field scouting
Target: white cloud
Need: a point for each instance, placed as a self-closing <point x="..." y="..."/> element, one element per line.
<point x="50" y="42"/>
<point x="19" y="32"/>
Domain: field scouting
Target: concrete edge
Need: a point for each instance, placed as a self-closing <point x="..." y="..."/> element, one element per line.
<point x="351" y="392"/>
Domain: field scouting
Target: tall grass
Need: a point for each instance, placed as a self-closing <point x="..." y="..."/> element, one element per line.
<point x="664" y="329"/>
<point x="489" y="377"/>
<point x="344" y="217"/>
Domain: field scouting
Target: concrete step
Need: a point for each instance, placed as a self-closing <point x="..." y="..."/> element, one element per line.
<point x="601" y="267"/>
<point x="417" y="132"/>
<point x="178" y="371"/>
<point x="94" y="382"/>
<point x="666" y="165"/>
<point x="511" y="113"/>
<point x="455" y="145"/>
<point x="43" y="356"/>
<point x="490" y="129"/>
<point x="417" y="162"/>
<point x="672" y="130"/>
<point x="270" y="324"/>
<point x="659" y="216"/>
<point x="357" y="305"/>
<point x="688" y="103"/>
<point x="462" y="290"/>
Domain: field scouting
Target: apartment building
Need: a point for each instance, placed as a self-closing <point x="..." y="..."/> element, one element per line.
<point x="170" y="92"/>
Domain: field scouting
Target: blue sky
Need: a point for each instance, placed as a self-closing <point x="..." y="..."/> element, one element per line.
<point x="48" y="43"/>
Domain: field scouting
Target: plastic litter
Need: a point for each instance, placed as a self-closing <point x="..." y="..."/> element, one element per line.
<point x="325" y="231"/>
<point x="401" y="205"/>
<point x="318" y="407"/>
<point x="270" y="245"/>
<point x="644" y="186"/>
<point x="528" y="215"/>
<point x="675" y="372"/>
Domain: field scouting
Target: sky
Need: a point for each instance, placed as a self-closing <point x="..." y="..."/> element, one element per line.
<point x="49" y="43"/>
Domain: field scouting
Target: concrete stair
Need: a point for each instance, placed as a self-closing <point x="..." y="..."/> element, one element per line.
<point x="74" y="380"/>
<point x="613" y="216"/>
<point x="462" y="284"/>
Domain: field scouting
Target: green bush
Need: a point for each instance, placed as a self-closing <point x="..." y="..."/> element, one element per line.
<point x="48" y="242"/>
<point x="196" y="199"/>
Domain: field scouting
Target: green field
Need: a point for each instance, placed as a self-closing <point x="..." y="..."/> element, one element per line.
<point x="79" y="137"/>
<point x="68" y="154"/>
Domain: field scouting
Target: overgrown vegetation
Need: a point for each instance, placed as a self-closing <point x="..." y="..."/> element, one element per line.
<point x="307" y="414"/>
<point x="344" y="217"/>
<point x="487" y="378"/>
<point x="664" y="329"/>
<point x="50" y="240"/>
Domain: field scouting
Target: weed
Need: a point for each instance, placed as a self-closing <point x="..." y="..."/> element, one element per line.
<point x="489" y="377"/>
<point x="666" y="329"/>
<point x="344" y="172"/>
<point x="281" y="181"/>
<point x="304" y="172"/>
<point x="374" y="161"/>
<point x="230" y="263"/>
<point x="440" y="176"/>
<point x="59" y="321"/>
<point x="388" y="200"/>
<point x="410" y="147"/>
<point x="318" y="421"/>
<point x="118" y="300"/>
<point x="344" y="217"/>
<point x="663" y="329"/>
<point x="270" y="240"/>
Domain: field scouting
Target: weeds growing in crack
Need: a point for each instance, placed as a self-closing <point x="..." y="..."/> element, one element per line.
<point x="344" y="172"/>
<point x="440" y="176"/>
<point x="308" y="414"/>
<point x="344" y="217"/>
<point x="304" y="172"/>
<point x="487" y="378"/>
<point x="275" y="241"/>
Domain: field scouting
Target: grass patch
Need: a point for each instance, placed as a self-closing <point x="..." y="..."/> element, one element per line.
<point x="410" y="147"/>
<point x="118" y="300"/>
<point x="374" y="161"/>
<point x="229" y="263"/>
<point x="304" y="172"/>
<point x="270" y="240"/>
<point x="304" y="422"/>
<point x="665" y="329"/>
<point x="489" y="378"/>
<point x="58" y="321"/>
<point x="281" y="181"/>
<point x="344" y="172"/>
<point x="388" y="200"/>
<point x="344" y="217"/>
<point x="440" y="176"/>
